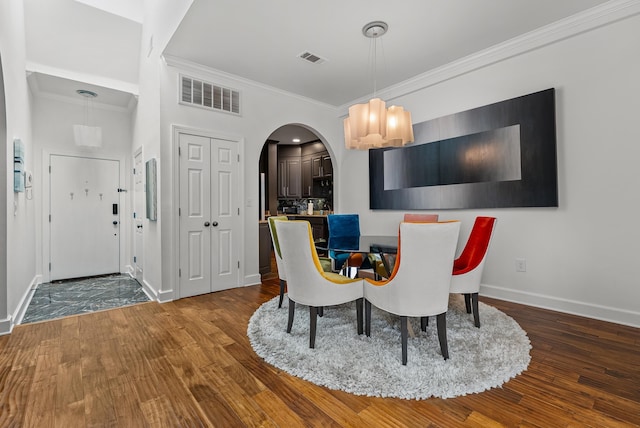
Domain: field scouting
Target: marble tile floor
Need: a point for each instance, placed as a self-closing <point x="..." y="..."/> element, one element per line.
<point x="63" y="298"/>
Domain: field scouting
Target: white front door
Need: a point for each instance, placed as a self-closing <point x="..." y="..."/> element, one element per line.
<point x="84" y="216"/>
<point x="138" y="215"/>
<point x="209" y="215"/>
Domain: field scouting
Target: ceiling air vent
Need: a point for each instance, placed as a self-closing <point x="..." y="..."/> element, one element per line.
<point x="199" y="93"/>
<point x="314" y="59"/>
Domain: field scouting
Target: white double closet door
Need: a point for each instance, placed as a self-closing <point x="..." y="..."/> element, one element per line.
<point x="84" y="217"/>
<point x="209" y="215"/>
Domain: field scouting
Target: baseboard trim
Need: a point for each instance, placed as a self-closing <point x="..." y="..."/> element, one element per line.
<point x="165" y="296"/>
<point x="161" y="296"/>
<point x="130" y="271"/>
<point x="18" y="314"/>
<point x="5" y="326"/>
<point x="151" y="292"/>
<point x="252" y="280"/>
<point x="589" y="310"/>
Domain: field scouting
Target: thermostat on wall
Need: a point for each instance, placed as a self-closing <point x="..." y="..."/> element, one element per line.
<point x="28" y="179"/>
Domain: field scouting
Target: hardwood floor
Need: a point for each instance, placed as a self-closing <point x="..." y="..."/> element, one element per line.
<point x="189" y="363"/>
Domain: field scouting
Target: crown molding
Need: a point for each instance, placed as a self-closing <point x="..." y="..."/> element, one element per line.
<point x="604" y="14"/>
<point x="80" y="102"/>
<point x="200" y="69"/>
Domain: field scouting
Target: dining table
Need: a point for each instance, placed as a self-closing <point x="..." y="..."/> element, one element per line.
<point x="365" y="244"/>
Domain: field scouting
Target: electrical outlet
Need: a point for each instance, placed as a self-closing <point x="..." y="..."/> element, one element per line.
<point x="521" y="265"/>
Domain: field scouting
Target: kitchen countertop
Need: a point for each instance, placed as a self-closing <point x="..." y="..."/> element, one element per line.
<point x="306" y="215"/>
<point x="298" y="215"/>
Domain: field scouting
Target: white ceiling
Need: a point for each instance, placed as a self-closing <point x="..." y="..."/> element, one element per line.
<point x="54" y="86"/>
<point x="261" y="40"/>
<point x="286" y="134"/>
<point x="98" y="41"/>
<point x="73" y="45"/>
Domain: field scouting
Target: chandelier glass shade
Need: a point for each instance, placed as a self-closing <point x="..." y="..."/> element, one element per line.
<point x="372" y="124"/>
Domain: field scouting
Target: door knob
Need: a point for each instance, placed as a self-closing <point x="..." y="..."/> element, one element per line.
<point x="206" y="224"/>
<point x="214" y="224"/>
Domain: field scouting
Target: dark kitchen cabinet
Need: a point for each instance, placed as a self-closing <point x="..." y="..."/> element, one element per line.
<point x="304" y="171"/>
<point x="319" y="226"/>
<point x="327" y="166"/>
<point x="264" y="248"/>
<point x="289" y="178"/>
<point x="321" y="165"/>
<point x="306" y="179"/>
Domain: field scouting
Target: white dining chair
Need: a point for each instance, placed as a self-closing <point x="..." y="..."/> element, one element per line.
<point x="419" y="283"/>
<point x="307" y="283"/>
<point x="278" y="256"/>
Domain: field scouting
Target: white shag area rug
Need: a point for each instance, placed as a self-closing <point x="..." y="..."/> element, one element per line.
<point x="479" y="358"/>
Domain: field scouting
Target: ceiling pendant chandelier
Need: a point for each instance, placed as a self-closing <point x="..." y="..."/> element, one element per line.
<point x="372" y="125"/>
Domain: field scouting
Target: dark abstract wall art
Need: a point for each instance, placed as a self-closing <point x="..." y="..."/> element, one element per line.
<point x="497" y="156"/>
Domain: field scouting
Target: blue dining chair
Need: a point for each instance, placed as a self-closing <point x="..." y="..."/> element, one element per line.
<point x="344" y="227"/>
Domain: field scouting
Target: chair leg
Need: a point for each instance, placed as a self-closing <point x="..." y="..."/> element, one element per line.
<point x="313" y="321"/>
<point x="367" y="318"/>
<point x="292" y="310"/>
<point x="424" y="322"/>
<point x="321" y="311"/>
<point x="441" y="321"/>
<point x="404" y="334"/>
<point x="467" y="302"/>
<point x="476" y="314"/>
<point x="359" y="314"/>
<point x="281" y="293"/>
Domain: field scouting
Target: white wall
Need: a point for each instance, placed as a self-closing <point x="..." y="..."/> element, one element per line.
<point x="19" y="246"/>
<point x="53" y="120"/>
<point x="582" y="256"/>
<point x="160" y="21"/>
<point x="263" y="111"/>
<point x="575" y="261"/>
<point x="101" y="48"/>
<point x="573" y="264"/>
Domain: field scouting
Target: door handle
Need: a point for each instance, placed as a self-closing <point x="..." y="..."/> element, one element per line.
<point x="139" y="226"/>
<point x="115" y="222"/>
<point x="206" y="224"/>
<point x="214" y="224"/>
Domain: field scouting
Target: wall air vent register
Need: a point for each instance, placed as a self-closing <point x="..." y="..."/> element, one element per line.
<point x="199" y="93"/>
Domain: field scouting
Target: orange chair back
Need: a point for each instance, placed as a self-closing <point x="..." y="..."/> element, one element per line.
<point x="420" y="218"/>
<point x="476" y="246"/>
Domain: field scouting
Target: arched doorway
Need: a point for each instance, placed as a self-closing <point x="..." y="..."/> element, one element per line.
<point x="295" y="179"/>
<point x="297" y="169"/>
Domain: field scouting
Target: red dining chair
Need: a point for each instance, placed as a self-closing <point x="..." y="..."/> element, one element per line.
<point x="467" y="269"/>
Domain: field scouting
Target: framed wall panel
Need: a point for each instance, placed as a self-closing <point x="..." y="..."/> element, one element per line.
<point x="496" y="156"/>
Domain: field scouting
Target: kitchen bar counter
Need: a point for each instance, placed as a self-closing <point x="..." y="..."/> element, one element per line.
<point x="306" y="215"/>
<point x="318" y="224"/>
